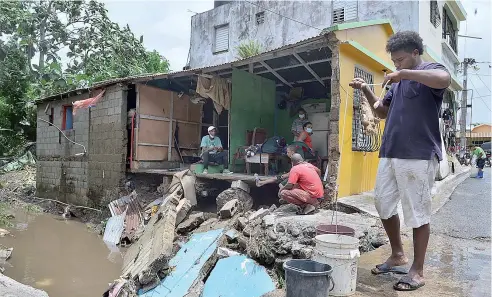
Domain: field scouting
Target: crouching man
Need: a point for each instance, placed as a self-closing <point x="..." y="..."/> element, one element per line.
<point x="304" y="187"/>
<point x="212" y="151"/>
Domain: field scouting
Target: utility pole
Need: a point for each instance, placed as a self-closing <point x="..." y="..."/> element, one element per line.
<point x="464" y="104"/>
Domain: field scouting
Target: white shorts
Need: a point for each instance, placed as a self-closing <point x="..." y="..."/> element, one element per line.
<point x="408" y="181"/>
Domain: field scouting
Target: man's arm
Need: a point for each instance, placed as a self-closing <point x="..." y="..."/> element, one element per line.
<point x="382" y="110"/>
<point x="437" y="78"/>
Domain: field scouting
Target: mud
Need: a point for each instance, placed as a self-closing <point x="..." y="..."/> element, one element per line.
<point x="61" y="257"/>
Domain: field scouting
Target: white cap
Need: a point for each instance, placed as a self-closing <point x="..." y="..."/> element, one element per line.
<point x="211" y="128"/>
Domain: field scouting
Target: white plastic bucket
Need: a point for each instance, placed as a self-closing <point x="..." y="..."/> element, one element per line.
<point x="341" y="252"/>
<point x="473" y="172"/>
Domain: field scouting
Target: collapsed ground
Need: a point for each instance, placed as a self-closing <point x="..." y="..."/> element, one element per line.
<point x="266" y="232"/>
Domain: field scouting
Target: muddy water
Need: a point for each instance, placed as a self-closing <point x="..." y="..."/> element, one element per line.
<point x="61" y="257"/>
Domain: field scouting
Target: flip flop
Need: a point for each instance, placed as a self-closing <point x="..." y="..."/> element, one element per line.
<point x="406" y="280"/>
<point x="385" y="268"/>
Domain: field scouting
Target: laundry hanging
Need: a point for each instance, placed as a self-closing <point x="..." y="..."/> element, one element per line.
<point x="86" y="103"/>
<point x="217" y="89"/>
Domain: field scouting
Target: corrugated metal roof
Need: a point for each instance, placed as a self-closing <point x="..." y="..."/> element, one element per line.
<point x="146" y="77"/>
<point x="133" y="218"/>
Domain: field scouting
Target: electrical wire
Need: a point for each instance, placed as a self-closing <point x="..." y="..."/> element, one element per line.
<point x="85" y="151"/>
<point x="483" y="83"/>
<point x="480" y="96"/>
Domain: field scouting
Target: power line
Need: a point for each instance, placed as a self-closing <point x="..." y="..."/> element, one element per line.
<point x="480" y="96"/>
<point x="294" y="20"/>
<point x="484" y="83"/>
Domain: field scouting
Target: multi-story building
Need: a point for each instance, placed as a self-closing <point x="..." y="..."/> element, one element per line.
<point x="217" y="33"/>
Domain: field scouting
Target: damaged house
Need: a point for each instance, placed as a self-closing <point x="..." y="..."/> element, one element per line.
<point x="154" y="123"/>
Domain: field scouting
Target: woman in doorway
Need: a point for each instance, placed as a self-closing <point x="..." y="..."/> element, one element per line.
<point x="305" y="135"/>
<point x="298" y="124"/>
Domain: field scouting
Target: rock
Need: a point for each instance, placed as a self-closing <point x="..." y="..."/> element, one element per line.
<point x="305" y="253"/>
<point x="231" y="236"/>
<point x="280" y="228"/>
<point x="241" y="223"/>
<point x="245" y="200"/>
<point x="183" y="208"/>
<point x="307" y="241"/>
<point x="296" y="249"/>
<point x="225" y="252"/>
<point x="287" y="246"/>
<point x="243" y="242"/>
<point x="248" y="230"/>
<point x="239" y="184"/>
<point x="293" y="230"/>
<point x="193" y="222"/>
<point x="229" y="209"/>
<point x="259" y="214"/>
<point x="269" y="220"/>
<point x="4" y="232"/>
<point x="279" y="263"/>
<point x="272" y="208"/>
<point x="276" y="293"/>
<point x="309" y="232"/>
<point x="12" y="288"/>
<point x="272" y="235"/>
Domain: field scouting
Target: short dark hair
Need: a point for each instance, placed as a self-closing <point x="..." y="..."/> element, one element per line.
<point x="407" y="41"/>
<point x="307" y="123"/>
<point x="301" y="109"/>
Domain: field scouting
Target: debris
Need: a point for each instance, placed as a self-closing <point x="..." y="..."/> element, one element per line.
<point x="5" y="253"/>
<point x="269" y="220"/>
<point x="187" y="265"/>
<point x="152" y="252"/>
<point x="114" y="229"/>
<point x="239" y="184"/>
<point x="183" y="184"/>
<point x="225" y="252"/>
<point x="25" y="160"/>
<point x="12" y="288"/>
<point x="134" y="217"/>
<point x="190" y="224"/>
<point x="272" y="208"/>
<point x="183" y="208"/>
<point x="259" y="214"/>
<point x="231" y="235"/>
<point x="4" y="232"/>
<point x="241" y="223"/>
<point x="238" y="276"/>
<point x="245" y="200"/>
<point x="229" y="209"/>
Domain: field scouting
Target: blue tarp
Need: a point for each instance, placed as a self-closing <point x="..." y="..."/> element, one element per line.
<point x="187" y="265"/>
<point x="238" y="276"/>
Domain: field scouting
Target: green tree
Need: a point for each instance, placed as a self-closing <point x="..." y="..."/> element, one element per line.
<point x="248" y="49"/>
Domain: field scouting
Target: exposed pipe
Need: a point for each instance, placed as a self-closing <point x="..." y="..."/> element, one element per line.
<point x="131" y="141"/>
<point x="78" y="154"/>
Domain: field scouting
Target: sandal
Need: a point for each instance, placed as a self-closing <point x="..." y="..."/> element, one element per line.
<point x="385" y="268"/>
<point x="412" y="284"/>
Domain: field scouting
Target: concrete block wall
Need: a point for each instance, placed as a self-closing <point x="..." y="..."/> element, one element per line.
<point x="107" y="144"/>
<point x="83" y="180"/>
<point x="60" y="174"/>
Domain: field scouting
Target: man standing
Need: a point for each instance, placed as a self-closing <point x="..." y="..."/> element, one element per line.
<point x="410" y="150"/>
<point x="212" y="151"/>
<point x="481" y="157"/>
<point x="304" y="187"/>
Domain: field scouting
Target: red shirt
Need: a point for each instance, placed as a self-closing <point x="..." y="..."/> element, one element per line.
<point x="307" y="140"/>
<point x="307" y="178"/>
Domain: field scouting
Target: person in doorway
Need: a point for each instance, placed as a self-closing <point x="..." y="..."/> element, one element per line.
<point x="212" y="151"/>
<point x="481" y="157"/>
<point x="305" y="135"/>
<point x="298" y="124"/>
<point x="410" y="150"/>
<point x="304" y="187"/>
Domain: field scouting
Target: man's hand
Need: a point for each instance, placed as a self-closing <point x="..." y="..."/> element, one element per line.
<point x="394" y="77"/>
<point x="358" y="83"/>
<point x="219" y="149"/>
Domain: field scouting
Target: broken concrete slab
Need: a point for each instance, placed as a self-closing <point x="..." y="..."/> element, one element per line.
<point x="241" y="223"/>
<point x="229" y="209"/>
<point x="259" y="214"/>
<point x="187" y="265"/>
<point x="190" y="224"/>
<point x="4" y="232"/>
<point x="238" y="276"/>
<point x="269" y="220"/>
<point x="5" y="253"/>
<point x="11" y="288"/>
<point x="232" y="235"/>
<point x="245" y="200"/>
<point x="182" y="210"/>
<point x="152" y="252"/>
<point x="239" y="184"/>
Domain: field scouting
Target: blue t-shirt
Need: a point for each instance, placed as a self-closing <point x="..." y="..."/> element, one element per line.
<point x="210" y="142"/>
<point x="412" y="125"/>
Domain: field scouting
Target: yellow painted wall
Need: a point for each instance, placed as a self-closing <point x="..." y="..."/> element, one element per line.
<point x="358" y="169"/>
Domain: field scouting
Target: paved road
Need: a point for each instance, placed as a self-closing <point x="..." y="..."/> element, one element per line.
<point x="458" y="261"/>
<point x="467" y="214"/>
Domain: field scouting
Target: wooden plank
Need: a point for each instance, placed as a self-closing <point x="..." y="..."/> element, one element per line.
<point x="154" y="131"/>
<point x="171" y="132"/>
<point x="154" y="118"/>
<point x="180" y="108"/>
<point x="154" y="101"/>
<point x="152" y="153"/>
<point x="188" y="135"/>
<point x="137" y="121"/>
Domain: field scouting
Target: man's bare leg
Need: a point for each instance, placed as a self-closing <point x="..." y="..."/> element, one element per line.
<point x="260" y="183"/>
<point x="420" y="241"/>
<point x="397" y="258"/>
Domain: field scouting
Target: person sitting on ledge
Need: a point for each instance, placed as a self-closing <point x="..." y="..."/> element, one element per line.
<point x="304" y="187"/>
<point x="212" y="151"/>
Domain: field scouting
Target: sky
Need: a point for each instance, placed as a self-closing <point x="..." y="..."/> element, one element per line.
<point x="165" y="26"/>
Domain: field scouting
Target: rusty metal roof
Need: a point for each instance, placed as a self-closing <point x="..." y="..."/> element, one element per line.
<point x="133" y="218"/>
<point x="148" y="77"/>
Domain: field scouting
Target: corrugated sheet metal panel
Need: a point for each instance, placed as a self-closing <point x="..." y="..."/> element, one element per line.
<point x="222" y="38"/>
<point x="114" y="229"/>
<point x="133" y="218"/>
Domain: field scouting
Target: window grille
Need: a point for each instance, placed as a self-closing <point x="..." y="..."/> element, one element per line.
<point x="221" y="38"/>
<point x="361" y="141"/>
<point x="260" y="18"/>
<point x="344" y="11"/>
<point x="435" y="16"/>
<point x="449" y="33"/>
